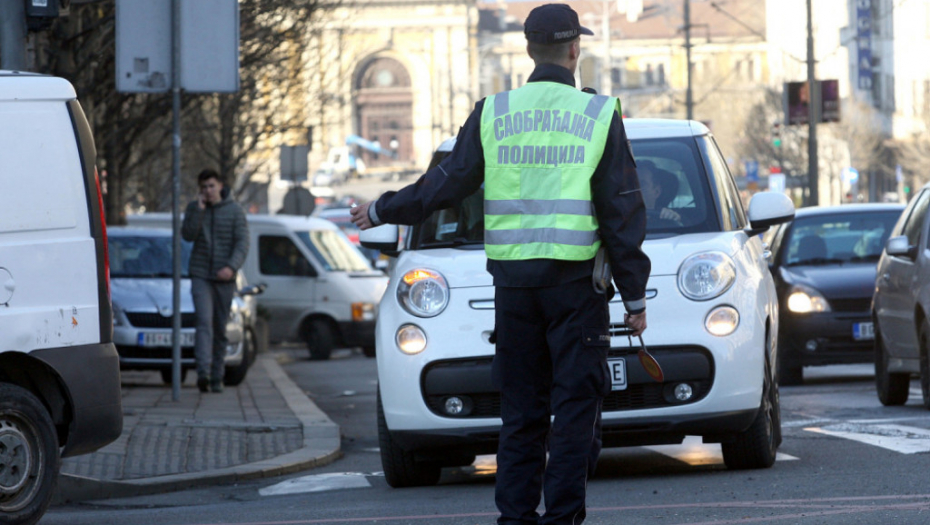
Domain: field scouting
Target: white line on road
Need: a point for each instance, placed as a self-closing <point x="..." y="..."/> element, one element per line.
<point x="899" y="438"/>
<point x="318" y="483"/>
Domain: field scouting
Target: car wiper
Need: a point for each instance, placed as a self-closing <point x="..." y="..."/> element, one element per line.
<point x="867" y="258"/>
<point x="458" y="241"/>
<point x="817" y="261"/>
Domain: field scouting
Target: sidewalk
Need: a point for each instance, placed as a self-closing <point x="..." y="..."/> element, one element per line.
<point x="264" y="427"/>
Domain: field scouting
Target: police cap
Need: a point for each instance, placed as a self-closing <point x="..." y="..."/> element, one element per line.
<point x="553" y="24"/>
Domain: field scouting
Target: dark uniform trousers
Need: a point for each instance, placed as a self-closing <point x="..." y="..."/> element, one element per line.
<point x="551" y="360"/>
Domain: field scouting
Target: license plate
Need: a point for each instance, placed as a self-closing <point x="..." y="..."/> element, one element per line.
<point x="617" y="368"/>
<point x="164" y="339"/>
<point x="863" y="331"/>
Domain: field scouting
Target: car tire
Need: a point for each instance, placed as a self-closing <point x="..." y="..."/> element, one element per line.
<point x="166" y="375"/>
<point x="29" y="458"/>
<point x="400" y="468"/>
<point x="321" y="340"/>
<point x="892" y="389"/>
<point x="369" y="351"/>
<point x="233" y="375"/>
<point x="757" y="446"/>
<point x="923" y="339"/>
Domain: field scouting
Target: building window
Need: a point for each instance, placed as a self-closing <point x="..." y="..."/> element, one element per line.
<point x="649" y="75"/>
<point x="616" y="77"/>
<point x="660" y="73"/>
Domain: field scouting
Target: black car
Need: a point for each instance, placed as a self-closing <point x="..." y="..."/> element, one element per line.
<point x="824" y="264"/>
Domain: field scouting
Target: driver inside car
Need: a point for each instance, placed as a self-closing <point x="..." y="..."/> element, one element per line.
<point x="659" y="188"/>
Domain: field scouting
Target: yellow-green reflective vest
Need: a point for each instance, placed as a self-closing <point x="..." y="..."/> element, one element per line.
<point x="541" y="144"/>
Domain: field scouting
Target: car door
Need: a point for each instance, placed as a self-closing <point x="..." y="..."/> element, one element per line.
<point x="897" y="283"/>
<point x="291" y="280"/>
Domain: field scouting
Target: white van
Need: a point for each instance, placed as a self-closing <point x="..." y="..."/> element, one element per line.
<point x="59" y="370"/>
<point x="320" y="289"/>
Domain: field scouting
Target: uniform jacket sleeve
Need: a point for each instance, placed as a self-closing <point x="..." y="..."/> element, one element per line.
<point x="459" y="175"/>
<point x="621" y="216"/>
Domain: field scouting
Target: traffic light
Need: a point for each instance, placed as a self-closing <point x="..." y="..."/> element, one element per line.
<point x="776" y="134"/>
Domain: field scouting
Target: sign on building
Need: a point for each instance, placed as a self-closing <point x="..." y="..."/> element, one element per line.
<point x="798" y="100"/>
<point x="864" y="44"/>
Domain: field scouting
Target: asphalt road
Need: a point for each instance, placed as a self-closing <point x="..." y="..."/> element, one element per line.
<point x="845" y="460"/>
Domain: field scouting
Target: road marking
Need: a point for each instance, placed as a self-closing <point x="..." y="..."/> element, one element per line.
<point x="695" y="452"/>
<point x="898" y="438"/>
<point x="318" y="483"/>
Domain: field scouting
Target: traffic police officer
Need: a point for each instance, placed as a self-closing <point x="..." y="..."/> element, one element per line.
<point x="559" y="183"/>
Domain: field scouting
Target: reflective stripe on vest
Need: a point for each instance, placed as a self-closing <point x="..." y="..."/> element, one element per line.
<point x="542" y="143"/>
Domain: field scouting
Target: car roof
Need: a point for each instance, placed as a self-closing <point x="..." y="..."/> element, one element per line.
<point x="21" y="85"/>
<point x="639" y="129"/>
<point x="865" y="207"/>
<point x="298" y="222"/>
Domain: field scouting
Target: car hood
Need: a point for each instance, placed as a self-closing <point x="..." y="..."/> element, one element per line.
<point x="149" y="295"/>
<point x="465" y="268"/>
<point x="846" y="281"/>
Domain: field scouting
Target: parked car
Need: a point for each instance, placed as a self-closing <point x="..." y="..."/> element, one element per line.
<point x="713" y="324"/>
<point x="901" y="304"/>
<point x="59" y="371"/>
<point x="319" y="288"/>
<point x="141" y="286"/>
<point x="824" y="268"/>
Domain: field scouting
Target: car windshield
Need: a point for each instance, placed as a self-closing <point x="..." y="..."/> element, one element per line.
<point x="334" y="251"/>
<point x="837" y="239"/>
<point x="145" y="256"/>
<point x="674" y="165"/>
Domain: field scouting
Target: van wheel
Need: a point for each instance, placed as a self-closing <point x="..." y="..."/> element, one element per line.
<point x="369" y="351"/>
<point x="29" y="458"/>
<point x="400" y="467"/>
<point x="892" y="389"/>
<point x="757" y="446"/>
<point x="166" y="375"/>
<point x="320" y="339"/>
<point x="233" y="375"/>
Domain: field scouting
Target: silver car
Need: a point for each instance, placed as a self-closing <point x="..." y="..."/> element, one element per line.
<point x="141" y="290"/>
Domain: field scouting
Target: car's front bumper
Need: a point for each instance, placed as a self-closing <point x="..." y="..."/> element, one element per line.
<point x="824" y="338"/>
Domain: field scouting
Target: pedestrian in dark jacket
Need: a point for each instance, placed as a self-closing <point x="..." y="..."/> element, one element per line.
<point x="216" y="225"/>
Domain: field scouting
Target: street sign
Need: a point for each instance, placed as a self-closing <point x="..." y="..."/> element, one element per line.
<point x="209" y="46"/>
<point x="294" y="165"/>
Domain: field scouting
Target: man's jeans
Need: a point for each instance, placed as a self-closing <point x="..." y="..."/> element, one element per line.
<point x="212" y="301"/>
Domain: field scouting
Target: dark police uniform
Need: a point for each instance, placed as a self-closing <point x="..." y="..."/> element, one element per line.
<point x="551" y="325"/>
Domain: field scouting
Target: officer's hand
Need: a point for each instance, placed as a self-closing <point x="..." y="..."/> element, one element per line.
<point x="360" y="216"/>
<point x="637" y="322"/>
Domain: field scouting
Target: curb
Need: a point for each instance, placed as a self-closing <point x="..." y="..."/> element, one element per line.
<point x="321" y="446"/>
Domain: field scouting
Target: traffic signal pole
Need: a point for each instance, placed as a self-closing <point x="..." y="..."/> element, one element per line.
<point x="813" y="100"/>
<point x="12" y="35"/>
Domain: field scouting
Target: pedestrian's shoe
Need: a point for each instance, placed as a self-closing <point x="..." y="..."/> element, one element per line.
<point x="216" y="386"/>
<point x="203" y="383"/>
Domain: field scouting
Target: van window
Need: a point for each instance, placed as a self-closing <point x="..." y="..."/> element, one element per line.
<point x="278" y="255"/>
<point x="334" y="251"/>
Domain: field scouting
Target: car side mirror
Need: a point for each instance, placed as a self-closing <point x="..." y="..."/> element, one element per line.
<point x="767" y="209"/>
<point x="899" y="247"/>
<point x="383" y="238"/>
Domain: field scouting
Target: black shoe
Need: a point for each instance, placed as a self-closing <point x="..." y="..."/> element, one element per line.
<point x="203" y="384"/>
<point x="216" y="386"/>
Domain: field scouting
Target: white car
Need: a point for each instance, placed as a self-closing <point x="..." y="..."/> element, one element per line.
<point x="713" y="324"/>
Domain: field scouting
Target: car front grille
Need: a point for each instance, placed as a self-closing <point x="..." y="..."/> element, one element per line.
<point x="156" y="320"/>
<point x="863" y="304"/>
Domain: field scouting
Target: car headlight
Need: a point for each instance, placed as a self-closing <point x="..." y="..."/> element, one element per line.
<point x="804" y="300"/>
<point x="117" y="315"/>
<point x="704" y="276"/>
<point x="423" y="293"/>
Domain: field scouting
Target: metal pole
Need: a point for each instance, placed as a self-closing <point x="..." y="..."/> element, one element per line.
<point x="689" y="96"/>
<point x="12" y="36"/>
<point x="606" y="81"/>
<point x="175" y="199"/>
<point x="813" y="100"/>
